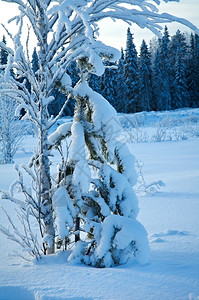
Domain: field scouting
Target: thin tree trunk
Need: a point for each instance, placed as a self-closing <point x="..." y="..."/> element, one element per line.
<point x="45" y="189"/>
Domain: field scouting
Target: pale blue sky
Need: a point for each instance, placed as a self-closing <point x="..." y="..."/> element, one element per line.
<point x="114" y="34"/>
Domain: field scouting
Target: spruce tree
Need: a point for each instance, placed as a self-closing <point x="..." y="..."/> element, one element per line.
<point x="178" y="50"/>
<point x="3" y="54"/>
<point x="108" y="83"/>
<point x="35" y="61"/>
<point x="145" y="78"/>
<point x="157" y="82"/>
<point x="4" y="57"/>
<point x="94" y="82"/>
<point x="165" y="72"/>
<point x="98" y="178"/>
<point x="192" y="71"/>
<point x="73" y="72"/>
<point x="131" y="76"/>
<point x="196" y="61"/>
<point x="121" y="86"/>
<point x="59" y="99"/>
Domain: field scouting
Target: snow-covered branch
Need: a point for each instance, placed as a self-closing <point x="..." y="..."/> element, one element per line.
<point x="25" y="238"/>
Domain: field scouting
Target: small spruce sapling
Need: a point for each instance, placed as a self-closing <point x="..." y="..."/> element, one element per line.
<point x="100" y="184"/>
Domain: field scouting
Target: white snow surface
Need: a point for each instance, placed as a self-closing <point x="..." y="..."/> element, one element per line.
<point x="170" y="217"/>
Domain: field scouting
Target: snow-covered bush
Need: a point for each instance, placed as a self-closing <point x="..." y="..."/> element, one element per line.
<point x="162" y="128"/>
<point x="25" y="236"/>
<point x="98" y="178"/>
<point x="154" y="127"/>
<point x="142" y="186"/>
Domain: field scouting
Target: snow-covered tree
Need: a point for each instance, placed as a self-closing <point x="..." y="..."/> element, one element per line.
<point x="165" y="69"/>
<point x="153" y="46"/>
<point x="121" y="86"/>
<point x="66" y="32"/>
<point x="59" y="100"/>
<point x="73" y="72"/>
<point x="192" y="71"/>
<point x="35" y="61"/>
<point x="36" y="100"/>
<point x="157" y="82"/>
<point x="3" y="54"/>
<point x="98" y="178"/>
<point x="108" y="83"/>
<point x="94" y="82"/>
<point x="178" y="49"/>
<point x="131" y="76"/>
<point x="11" y="131"/>
<point x="145" y="78"/>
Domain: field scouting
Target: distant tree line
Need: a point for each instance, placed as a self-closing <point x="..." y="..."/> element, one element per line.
<point x="163" y="76"/>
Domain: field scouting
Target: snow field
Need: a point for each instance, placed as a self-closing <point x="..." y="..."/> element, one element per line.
<point x="170" y="217"/>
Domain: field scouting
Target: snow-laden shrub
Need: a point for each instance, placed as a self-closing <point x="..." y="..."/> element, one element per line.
<point x="98" y="177"/>
<point x="162" y="128"/>
<point x="142" y="186"/>
<point x="159" y="127"/>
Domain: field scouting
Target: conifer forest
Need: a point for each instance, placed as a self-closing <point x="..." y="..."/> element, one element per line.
<point x="163" y="75"/>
